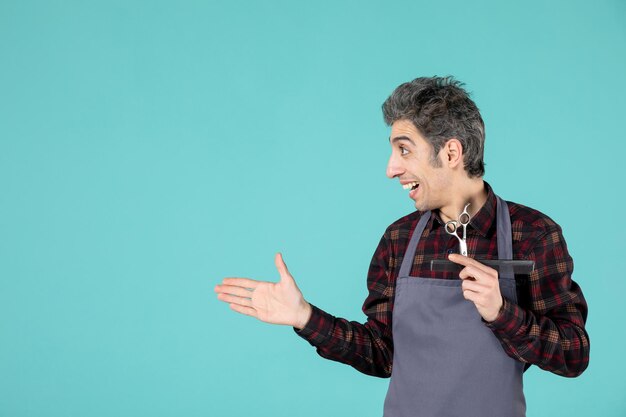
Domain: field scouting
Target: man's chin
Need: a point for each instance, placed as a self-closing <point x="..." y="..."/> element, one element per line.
<point x="420" y="206"/>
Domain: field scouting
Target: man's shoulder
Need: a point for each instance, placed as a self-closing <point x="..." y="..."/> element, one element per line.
<point x="405" y="223"/>
<point x="526" y="218"/>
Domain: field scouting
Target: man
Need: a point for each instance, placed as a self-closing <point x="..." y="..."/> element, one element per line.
<point x="453" y="343"/>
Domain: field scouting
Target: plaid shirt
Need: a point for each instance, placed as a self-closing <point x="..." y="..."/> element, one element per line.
<point x="545" y="328"/>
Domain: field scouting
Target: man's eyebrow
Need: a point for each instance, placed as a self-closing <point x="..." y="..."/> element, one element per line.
<point x="398" y="138"/>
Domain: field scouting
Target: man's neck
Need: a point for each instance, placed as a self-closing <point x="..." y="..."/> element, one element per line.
<point x="472" y="191"/>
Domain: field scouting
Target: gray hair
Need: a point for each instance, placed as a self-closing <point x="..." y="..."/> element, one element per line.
<point x="440" y="109"/>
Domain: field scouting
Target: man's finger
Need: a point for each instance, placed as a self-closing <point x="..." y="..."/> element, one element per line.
<point x="471" y="296"/>
<point x="280" y="264"/>
<point x="248" y="311"/>
<point x="231" y="289"/>
<point x="472" y="286"/>
<point x="467" y="261"/>
<point x="471" y="272"/>
<point x="241" y="282"/>
<point x="233" y="299"/>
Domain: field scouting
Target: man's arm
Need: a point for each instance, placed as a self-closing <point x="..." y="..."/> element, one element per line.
<point x="551" y="333"/>
<point x="366" y="347"/>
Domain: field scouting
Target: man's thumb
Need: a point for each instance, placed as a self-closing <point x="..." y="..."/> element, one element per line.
<point x="280" y="265"/>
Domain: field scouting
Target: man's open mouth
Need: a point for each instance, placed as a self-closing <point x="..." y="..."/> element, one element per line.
<point x="411" y="186"/>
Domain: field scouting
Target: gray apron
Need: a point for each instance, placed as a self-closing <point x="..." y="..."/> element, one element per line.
<point x="446" y="362"/>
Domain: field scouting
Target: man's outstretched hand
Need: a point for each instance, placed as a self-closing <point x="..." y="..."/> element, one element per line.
<point x="276" y="303"/>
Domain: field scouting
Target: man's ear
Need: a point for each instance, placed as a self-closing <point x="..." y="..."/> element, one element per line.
<point x="453" y="153"/>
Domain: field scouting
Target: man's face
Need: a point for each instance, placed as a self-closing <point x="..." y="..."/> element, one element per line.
<point x="412" y="162"/>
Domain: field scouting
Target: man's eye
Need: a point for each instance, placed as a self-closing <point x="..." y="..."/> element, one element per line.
<point x="403" y="150"/>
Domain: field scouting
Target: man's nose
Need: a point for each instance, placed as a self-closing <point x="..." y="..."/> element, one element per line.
<point x="393" y="168"/>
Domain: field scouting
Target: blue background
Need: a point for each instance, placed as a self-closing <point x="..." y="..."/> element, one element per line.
<point x="149" y="148"/>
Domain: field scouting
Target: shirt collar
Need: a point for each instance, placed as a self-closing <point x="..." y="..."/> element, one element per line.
<point x="481" y="221"/>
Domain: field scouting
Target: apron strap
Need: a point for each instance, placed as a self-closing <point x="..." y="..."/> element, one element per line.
<point x="505" y="243"/>
<point x="409" y="255"/>
<point x="505" y="250"/>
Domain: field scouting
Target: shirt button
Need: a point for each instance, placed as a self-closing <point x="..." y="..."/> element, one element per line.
<point x="450" y="251"/>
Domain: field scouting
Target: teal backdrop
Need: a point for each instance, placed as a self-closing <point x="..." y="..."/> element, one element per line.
<point x="150" y="148"/>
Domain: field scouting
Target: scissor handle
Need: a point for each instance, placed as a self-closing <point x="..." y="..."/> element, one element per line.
<point x="454" y="227"/>
<point x="464" y="217"/>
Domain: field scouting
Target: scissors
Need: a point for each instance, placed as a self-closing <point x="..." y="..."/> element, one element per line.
<point x="452" y="227"/>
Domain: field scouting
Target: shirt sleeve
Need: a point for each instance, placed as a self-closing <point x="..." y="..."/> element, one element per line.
<point x="366" y="347"/>
<point x="551" y="333"/>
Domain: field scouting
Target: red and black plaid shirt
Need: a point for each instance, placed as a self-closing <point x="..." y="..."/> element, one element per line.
<point x="545" y="328"/>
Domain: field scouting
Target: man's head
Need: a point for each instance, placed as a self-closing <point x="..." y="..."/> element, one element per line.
<point x="440" y="109"/>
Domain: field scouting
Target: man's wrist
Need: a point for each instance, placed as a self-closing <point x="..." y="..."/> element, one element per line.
<point x="304" y="316"/>
<point x="497" y="313"/>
